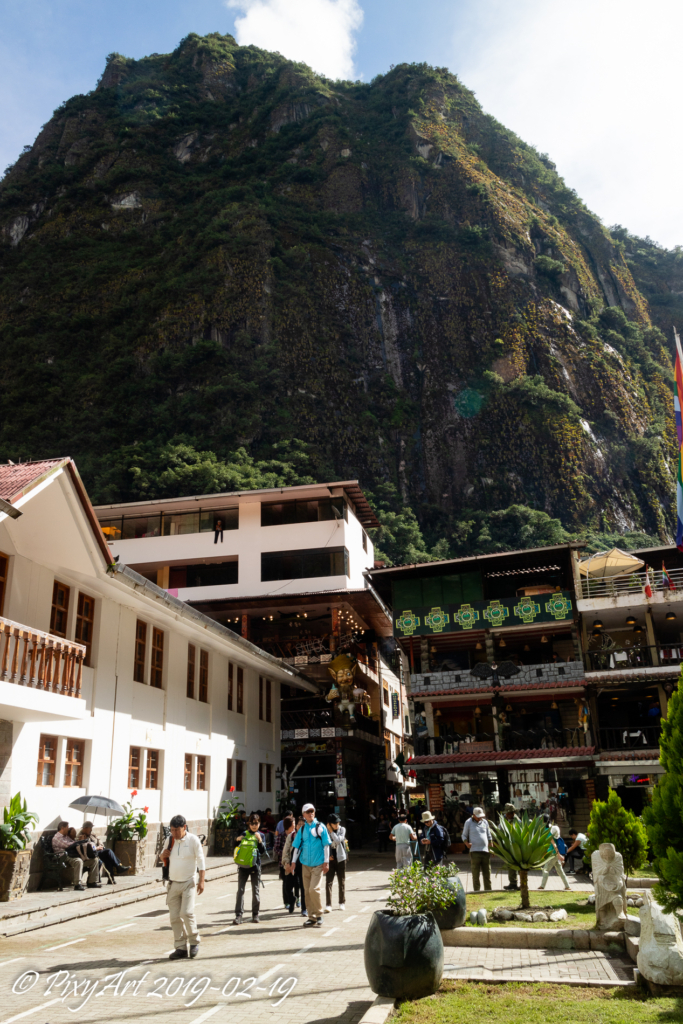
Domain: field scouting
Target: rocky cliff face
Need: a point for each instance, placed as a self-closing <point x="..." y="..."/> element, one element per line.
<point x="221" y="248"/>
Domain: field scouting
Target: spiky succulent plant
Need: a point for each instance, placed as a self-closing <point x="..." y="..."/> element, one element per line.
<point x="524" y="844"/>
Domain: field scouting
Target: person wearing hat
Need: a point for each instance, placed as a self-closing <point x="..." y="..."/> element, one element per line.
<point x="476" y="836"/>
<point x="337" y="834"/>
<point x="433" y="840"/>
<point x="311" y="847"/>
<point x="556" y="852"/>
<point x="510" y="814"/>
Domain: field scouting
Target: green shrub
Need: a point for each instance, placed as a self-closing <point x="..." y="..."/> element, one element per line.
<point x="610" y="822"/>
<point x="414" y="890"/>
<point x="664" y="817"/>
<point x="549" y="267"/>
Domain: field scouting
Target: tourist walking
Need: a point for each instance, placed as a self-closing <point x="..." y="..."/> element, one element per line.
<point x="510" y="814"/>
<point x="249" y="850"/>
<point x="337" y="834"/>
<point x="556" y="850"/>
<point x="402" y="834"/>
<point x="383" y="830"/>
<point x="311" y="846"/>
<point x="184" y="856"/>
<point x="294" y="870"/>
<point x="434" y="841"/>
<point x="286" y="878"/>
<point x="476" y="835"/>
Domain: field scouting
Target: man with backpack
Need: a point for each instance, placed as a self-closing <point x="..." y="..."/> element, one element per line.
<point x="435" y="839"/>
<point x="311" y="846"/>
<point x="248" y="853"/>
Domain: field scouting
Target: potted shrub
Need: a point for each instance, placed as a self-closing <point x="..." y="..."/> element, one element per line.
<point x="455" y="914"/>
<point x="403" y="945"/>
<point x="15" y="859"/>
<point x="524" y="845"/>
<point x="127" y="834"/>
<point x="225" y="826"/>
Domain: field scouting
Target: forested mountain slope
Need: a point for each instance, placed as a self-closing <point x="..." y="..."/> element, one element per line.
<point x="218" y="251"/>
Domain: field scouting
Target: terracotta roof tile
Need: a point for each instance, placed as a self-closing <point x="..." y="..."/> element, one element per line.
<point x="15" y="480"/>
<point x="558" y="753"/>
<point x="631" y="755"/>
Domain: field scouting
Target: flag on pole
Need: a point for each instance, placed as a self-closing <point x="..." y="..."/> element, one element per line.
<point x="678" y="406"/>
<point x="667" y="582"/>
<point x="646" y="585"/>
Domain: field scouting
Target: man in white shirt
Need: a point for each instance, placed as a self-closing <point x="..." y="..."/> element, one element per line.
<point x="185" y="857"/>
<point x="402" y="834"/>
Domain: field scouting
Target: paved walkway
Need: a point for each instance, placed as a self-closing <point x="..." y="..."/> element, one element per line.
<point x="119" y="961"/>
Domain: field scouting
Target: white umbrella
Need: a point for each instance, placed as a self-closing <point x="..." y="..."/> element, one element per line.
<point x="606" y="564"/>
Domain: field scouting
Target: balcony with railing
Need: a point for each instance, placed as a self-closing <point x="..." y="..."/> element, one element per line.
<point x="631" y="587"/>
<point x="630" y="658"/>
<point x="630" y="737"/>
<point x="40" y="661"/>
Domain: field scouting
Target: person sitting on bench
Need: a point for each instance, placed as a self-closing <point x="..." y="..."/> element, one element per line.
<point x="62" y="844"/>
<point x="109" y="859"/>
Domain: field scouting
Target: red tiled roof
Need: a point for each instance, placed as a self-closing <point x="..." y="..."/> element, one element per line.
<point x="508" y="688"/>
<point x="15" y="480"/>
<point x="502" y="755"/>
<point x="631" y="755"/>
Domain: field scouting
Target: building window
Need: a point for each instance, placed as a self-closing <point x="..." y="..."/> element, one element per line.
<point x="261" y="682"/>
<point x="281" y="513"/>
<point x="187" y="781"/>
<point x="73" y="768"/>
<point x="269" y="708"/>
<point x="85" y="618"/>
<point x="201" y="773"/>
<point x="152" y="770"/>
<point x="297" y="565"/>
<point x="240" y="691"/>
<point x="134" y="768"/>
<point x="60" y="609"/>
<point x="230" y="680"/>
<point x="157" y="657"/>
<point x="204" y="676"/>
<point x="385" y="695"/>
<point x="239" y="776"/>
<point x="228" y="776"/>
<point x="205" y="574"/>
<point x="265" y="778"/>
<point x="4" y="569"/>
<point x="140" y="651"/>
<point x="47" y="755"/>
<point x="191" y="656"/>
<point x="365" y="540"/>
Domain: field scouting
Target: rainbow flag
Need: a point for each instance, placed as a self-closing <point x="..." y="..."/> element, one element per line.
<point x="678" y="405"/>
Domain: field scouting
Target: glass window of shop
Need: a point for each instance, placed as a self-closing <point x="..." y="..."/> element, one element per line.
<point x="282" y="513"/>
<point x="171" y="524"/>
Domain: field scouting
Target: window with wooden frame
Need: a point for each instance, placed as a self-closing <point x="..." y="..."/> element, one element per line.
<point x="261" y="681"/>
<point x="204" y="676"/>
<point x="230" y="681"/>
<point x="85" y="622"/>
<point x="140" y="651"/>
<point x="385" y="695"/>
<point x="47" y="756"/>
<point x="73" y="766"/>
<point x="156" y="675"/>
<point x="4" y="570"/>
<point x="201" y="773"/>
<point x="228" y="775"/>
<point x="60" y="609"/>
<point x="240" y="691"/>
<point x="269" y="708"/>
<point x="152" y="770"/>
<point x="134" y="768"/>
<point x="265" y="778"/>
<point x="239" y="776"/>
<point x="187" y="781"/>
<point x="191" y="659"/>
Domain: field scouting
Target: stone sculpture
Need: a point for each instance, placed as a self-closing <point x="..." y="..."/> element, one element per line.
<point x="660" y="956"/>
<point x="609" y="882"/>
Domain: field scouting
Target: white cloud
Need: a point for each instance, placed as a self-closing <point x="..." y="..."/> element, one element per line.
<point x="597" y="85"/>
<point x="320" y="33"/>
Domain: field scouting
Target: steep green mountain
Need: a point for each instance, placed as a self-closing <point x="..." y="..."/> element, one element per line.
<point x="219" y="266"/>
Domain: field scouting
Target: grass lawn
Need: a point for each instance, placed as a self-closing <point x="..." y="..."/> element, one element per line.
<point x="580" y="913"/>
<point x="461" y="1002"/>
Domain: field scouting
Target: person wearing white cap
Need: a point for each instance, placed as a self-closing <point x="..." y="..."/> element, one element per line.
<point x="555" y="859"/>
<point x="311" y="846"/>
<point x="476" y="835"/>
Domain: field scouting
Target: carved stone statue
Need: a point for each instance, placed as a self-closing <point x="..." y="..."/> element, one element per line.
<point x="609" y="882"/>
<point x="660" y="955"/>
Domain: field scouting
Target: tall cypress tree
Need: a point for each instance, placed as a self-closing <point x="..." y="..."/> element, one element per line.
<point x="664" y="818"/>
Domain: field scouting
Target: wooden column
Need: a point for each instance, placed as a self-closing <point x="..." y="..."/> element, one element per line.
<point x="245" y="627"/>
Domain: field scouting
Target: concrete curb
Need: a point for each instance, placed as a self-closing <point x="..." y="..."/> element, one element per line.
<point x="534" y="938"/>
<point x="379" y="1011"/>
<point x="641" y="883"/>
<point x="504" y="979"/>
<point x="85" y="908"/>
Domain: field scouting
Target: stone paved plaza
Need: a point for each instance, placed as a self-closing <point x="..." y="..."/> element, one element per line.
<point x="240" y="972"/>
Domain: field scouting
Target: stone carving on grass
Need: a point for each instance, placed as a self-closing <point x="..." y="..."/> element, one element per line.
<point x="660" y="956"/>
<point x="609" y="882"/>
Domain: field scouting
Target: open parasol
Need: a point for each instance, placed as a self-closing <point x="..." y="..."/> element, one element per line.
<point x="605" y="564"/>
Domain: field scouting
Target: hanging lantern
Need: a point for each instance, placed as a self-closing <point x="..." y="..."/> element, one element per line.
<point x="630" y="621"/>
<point x="478" y="647"/>
<point x="544" y="639"/>
<point x="670" y="616"/>
<point x="477" y="712"/>
<point x="526" y="647"/>
<point x="502" y="644"/>
<point x="597" y="624"/>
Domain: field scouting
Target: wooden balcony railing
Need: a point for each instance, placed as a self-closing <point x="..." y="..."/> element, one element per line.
<point x="29" y="657"/>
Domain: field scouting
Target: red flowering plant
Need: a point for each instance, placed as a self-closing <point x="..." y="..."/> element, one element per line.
<point x="131" y="825"/>
<point x="228" y="812"/>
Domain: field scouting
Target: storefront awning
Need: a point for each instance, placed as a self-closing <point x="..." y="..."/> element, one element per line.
<point x="504" y="758"/>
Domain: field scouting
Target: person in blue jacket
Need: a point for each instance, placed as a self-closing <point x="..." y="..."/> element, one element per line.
<point x="311" y="847"/>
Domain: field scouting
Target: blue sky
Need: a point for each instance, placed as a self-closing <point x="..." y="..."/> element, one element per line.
<point x="595" y="83"/>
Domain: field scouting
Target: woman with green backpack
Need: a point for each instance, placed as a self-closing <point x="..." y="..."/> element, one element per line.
<point x="248" y="852"/>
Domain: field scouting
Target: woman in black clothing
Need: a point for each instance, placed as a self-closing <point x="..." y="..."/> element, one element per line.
<point x="383" y="830"/>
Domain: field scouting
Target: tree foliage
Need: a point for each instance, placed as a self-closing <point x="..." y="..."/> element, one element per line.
<point x="610" y="822"/>
<point x="664" y="817"/>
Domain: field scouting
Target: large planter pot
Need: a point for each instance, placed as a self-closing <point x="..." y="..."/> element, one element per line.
<point x="454" y="915"/>
<point x="15" y="868"/>
<point x="131" y="853"/>
<point x="224" y="842"/>
<point x="403" y="955"/>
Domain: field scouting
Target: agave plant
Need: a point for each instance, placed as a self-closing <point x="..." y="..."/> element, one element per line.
<point x="524" y="845"/>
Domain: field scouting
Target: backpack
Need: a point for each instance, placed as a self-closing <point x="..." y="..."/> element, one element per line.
<point x="246" y="853"/>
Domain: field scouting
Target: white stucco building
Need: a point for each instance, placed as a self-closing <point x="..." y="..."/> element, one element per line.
<point x="110" y="684"/>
